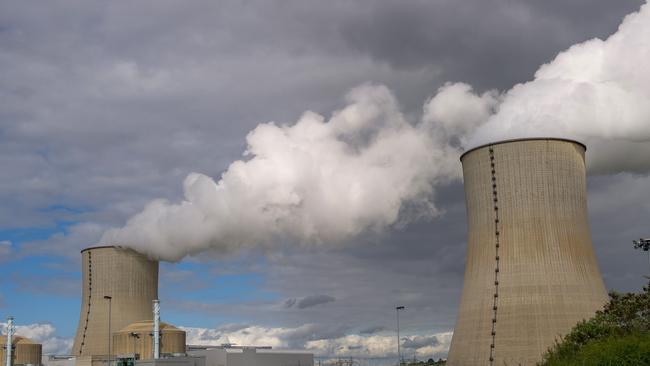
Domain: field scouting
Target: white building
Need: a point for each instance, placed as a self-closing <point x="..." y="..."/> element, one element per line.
<point x="251" y="356"/>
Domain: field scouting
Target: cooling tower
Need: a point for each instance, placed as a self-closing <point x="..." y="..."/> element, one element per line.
<point x="130" y="280"/>
<point x="531" y="273"/>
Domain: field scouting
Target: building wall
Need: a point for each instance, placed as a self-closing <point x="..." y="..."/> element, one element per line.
<point x="173" y="361"/>
<point x="531" y="273"/>
<point x="254" y="357"/>
<point x="213" y="357"/>
<point x="50" y="360"/>
<point x="131" y="279"/>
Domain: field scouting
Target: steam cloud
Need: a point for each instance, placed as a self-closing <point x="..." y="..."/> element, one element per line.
<point x="597" y="92"/>
<point x="367" y="167"/>
<point x="315" y="181"/>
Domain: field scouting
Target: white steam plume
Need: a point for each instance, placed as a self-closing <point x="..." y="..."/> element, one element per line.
<point x="367" y="168"/>
<point x="314" y="181"/>
<point x="597" y="92"/>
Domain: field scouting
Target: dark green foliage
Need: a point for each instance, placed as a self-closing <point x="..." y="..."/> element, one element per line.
<point x="617" y="335"/>
<point x="631" y="349"/>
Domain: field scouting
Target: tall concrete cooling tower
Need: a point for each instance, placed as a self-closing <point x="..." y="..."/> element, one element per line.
<point x="130" y="280"/>
<point x="531" y="273"/>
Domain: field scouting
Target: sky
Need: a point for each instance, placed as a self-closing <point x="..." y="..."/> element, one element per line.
<point x="106" y="106"/>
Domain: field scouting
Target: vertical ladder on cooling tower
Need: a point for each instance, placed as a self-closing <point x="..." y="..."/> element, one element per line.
<point x="495" y="200"/>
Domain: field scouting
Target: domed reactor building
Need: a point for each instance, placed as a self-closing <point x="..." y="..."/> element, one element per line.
<point x="118" y="288"/>
<point x="24" y="351"/>
<point x="136" y="339"/>
<point x="531" y="272"/>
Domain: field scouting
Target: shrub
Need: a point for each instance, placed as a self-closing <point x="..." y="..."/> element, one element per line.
<point x="617" y="335"/>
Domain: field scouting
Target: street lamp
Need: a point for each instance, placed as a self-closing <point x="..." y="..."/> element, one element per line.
<point x="643" y="244"/>
<point x="399" y="355"/>
<point x="109" y="298"/>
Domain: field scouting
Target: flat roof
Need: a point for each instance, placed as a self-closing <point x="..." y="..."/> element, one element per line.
<point x="523" y="139"/>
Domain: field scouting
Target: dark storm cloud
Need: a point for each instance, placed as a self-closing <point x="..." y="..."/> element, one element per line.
<point x="618" y="213"/>
<point x="466" y="39"/>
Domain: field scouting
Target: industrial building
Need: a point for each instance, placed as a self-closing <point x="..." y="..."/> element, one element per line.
<point x="248" y="356"/>
<point x="118" y="287"/>
<point x="531" y="272"/>
<point x="137" y="339"/>
<point x="24" y="351"/>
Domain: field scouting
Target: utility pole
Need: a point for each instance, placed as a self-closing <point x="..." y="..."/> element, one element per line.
<point x="109" y="298"/>
<point x="399" y="355"/>
<point x="10" y="334"/>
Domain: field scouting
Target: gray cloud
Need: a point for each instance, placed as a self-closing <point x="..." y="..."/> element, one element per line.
<point x="313" y="300"/>
<point x="105" y="106"/>
<point x="289" y="303"/>
<point x="372" y="330"/>
<point x="419" y="342"/>
<point x="457" y="36"/>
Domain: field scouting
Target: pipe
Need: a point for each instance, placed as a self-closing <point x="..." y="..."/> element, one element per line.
<point x="10" y="334"/>
<point x="156" y="329"/>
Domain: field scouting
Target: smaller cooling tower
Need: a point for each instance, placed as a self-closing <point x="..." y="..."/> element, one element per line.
<point x="138" y="338"/>
<point x="25" y="352"/>
<point x="129" y="278"/>
<point x="531" y="273"/>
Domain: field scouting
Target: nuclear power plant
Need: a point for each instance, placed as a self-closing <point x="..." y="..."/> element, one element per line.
<point x="531" y="273"/>
<point x="530" y="276"/>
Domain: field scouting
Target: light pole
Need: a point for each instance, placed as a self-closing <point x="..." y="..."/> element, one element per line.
<point x="109" y="298"/>
<point x="399" y="354"/>
<point x="643" y="244"/>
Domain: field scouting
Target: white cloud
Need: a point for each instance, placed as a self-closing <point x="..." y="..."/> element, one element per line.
<point x="308" y="337"/>
<point x="44" y="334"/>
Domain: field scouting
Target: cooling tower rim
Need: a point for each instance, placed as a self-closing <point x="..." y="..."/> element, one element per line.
<point x="101" y="247"/>
<point x="119" y="248"/>
<point x="116" y="247"/>
<point x="523" y="139"/>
